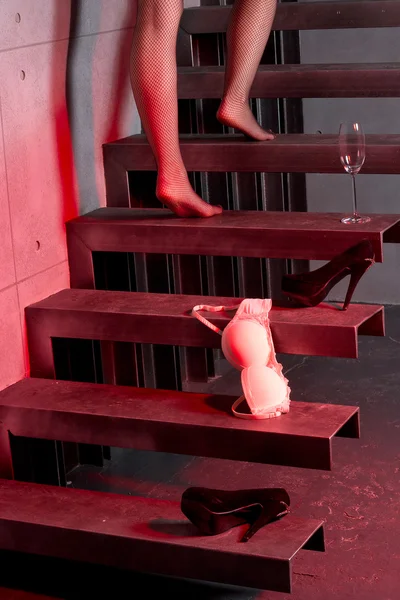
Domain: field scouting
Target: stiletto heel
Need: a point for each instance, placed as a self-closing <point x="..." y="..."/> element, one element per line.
<point x="216" y="511"/>
<point x="357" y="272"/>
<point x="309" y="289"/>
<point x="278" y="508"/>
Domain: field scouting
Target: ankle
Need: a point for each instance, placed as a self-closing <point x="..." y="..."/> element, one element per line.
<point x="171" y="170"/>
<point x="172" y="176"/>
<point x="233" y="101"/>
<point x="171" y="185"/>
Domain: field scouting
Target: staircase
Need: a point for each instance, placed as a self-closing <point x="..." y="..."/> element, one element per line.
<point x="135" y="275"/>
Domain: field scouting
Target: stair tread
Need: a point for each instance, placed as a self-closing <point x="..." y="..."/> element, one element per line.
<point x="302" y="16"/>
<point x="293" y="139"/>
<point x="287" y="153"/>
<point x="245" y="233"/>
<point x="12" y="594"/>
<point x="395" y="66"/>
<point x="172" y="421"/>
<point x="298" y="81"/>
<point x="145" y="534"/>
<point x="166" y="319"/>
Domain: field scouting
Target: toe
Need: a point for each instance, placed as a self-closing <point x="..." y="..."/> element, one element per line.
<point x="269" y="135"/>
<point x="208" y="210"/>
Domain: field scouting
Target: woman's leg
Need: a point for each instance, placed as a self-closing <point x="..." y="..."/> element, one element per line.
<point x="154" y="83"/>
<point x="247" y="35"/>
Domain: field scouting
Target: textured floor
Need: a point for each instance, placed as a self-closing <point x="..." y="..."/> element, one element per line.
<point x="359" y="499"/>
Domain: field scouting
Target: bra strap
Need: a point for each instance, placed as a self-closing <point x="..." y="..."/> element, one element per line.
<point x="240" y="414"/>
<point x="206" y="322"/>
<point x="259" y="416"/>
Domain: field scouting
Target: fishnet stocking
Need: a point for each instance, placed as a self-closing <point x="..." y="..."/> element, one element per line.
<point x="247" y="35"/>
<point x="154" y="82"/>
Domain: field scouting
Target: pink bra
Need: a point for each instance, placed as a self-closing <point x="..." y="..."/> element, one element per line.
<point x="248" y="345"/>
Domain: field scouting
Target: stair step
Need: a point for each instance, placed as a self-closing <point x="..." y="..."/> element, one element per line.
<point x="148" y="535"/>
<point x="240" y="233"/>
<point x="298" y="81"/>
<point x="289" y="153"/>
<point x="165" y="319"/>
<point x="303" y="16"/>
<point x="171" y="421"/>
<point x="11" y="594"/>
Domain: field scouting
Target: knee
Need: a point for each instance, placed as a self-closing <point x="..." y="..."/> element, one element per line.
<point x="161" y="13"/>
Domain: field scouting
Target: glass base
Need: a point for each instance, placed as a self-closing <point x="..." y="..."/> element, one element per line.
<point x="355" y="220"/>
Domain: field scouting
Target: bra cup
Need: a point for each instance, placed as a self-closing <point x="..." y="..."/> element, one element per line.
<point x="263" y="388"/>
<point x="245" y="343"/>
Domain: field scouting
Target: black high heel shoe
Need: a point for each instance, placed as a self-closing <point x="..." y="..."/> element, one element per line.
<point x="216" y="511"/>
<point x="309" y="289"/>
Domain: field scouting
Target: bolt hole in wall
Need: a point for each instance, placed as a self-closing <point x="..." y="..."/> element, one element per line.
<point x="333" y="192"/>
<point x="18" y="18"/>
<point x="22" y="75"/>
<point x="37" y="245"/>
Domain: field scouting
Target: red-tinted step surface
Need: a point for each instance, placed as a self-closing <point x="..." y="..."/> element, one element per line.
<point x="302" y="15"/>
<point x="289" y="153"/>
<point x="310" y="236"/>
<point x="170" y="421"/>
<point x="298" y="81"/>
<point x="9" y="594"/>
<point x="147" y="535"/>
<point x="166" y="319"/>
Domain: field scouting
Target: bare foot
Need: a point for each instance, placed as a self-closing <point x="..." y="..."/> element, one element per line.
<point x="181" y="198"/>
<point x="240" y="117"/>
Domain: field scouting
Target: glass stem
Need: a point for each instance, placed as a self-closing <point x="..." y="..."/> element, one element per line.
<point x="355" y="211"/>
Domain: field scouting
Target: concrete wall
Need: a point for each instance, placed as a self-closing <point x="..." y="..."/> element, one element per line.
<point x="50" y="153"/>
<point x="376" y="193"/>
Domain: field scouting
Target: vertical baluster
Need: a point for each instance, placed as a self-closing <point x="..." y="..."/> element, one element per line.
<point x="292" y="122"/>
<point x="187" y="270"/>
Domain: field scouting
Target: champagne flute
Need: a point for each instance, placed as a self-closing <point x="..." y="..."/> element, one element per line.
<point x="352" y="157"/>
